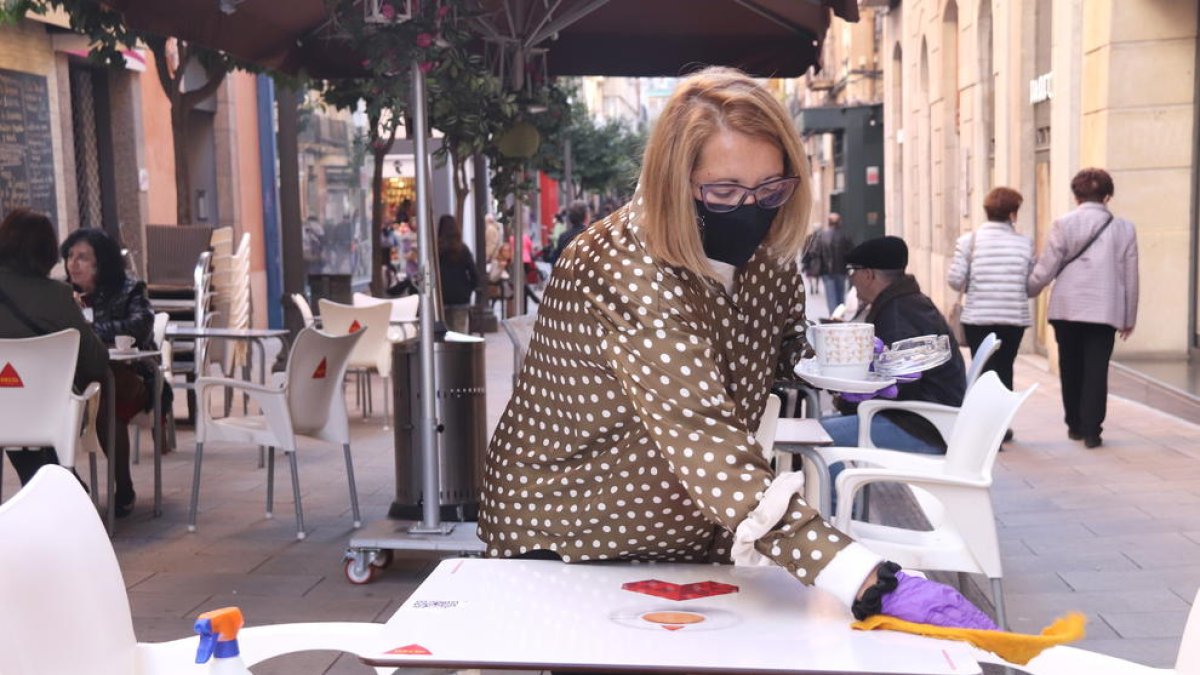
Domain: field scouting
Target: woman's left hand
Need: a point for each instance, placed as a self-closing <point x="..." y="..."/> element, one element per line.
<point x="920" y="600"/>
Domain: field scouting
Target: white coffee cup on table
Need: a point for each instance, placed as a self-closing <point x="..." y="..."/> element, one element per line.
<point x="124" y="343"/>
<point x="844" y="350"/>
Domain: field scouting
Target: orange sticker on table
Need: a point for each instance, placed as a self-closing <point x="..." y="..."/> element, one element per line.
<point x="9" y="377"/>
<point x="417" y="650"/>
<point x="319" y="373"/>
<point x="355" y="327"/>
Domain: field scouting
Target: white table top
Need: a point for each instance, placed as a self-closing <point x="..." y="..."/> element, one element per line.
<point x="135" y="355"/>
<point x="801" y="431"/>
<point x="537" y="615"/>
<point x="232" y="333"/>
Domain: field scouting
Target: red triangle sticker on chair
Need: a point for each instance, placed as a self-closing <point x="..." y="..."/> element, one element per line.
<point x="10" y="378"/>
<point x="319" y="373"/>
<point x="411" y="649"/>
<point x="355" y="327"/>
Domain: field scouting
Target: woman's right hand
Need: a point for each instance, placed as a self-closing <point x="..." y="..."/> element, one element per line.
<point x="920" y="600"/>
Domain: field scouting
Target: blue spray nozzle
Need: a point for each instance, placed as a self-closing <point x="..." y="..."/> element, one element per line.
<point x="218" y="633"/>
<point x="208" y="640"/>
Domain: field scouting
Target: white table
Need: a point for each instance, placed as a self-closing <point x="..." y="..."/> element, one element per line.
<point x="109" y="385"/>
<point x="538" y="615"/>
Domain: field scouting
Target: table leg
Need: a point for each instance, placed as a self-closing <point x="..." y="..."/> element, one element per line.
<point x="158" y="439"/>
<point x="109" y="394"/>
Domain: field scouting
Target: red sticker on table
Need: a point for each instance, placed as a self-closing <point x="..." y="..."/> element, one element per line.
<point x="355" y="327"/>
<point x="10" y="378"/>
<point x="411" y="649"/>
<point x="671" y="591"/>
<point x="319" y="373"/>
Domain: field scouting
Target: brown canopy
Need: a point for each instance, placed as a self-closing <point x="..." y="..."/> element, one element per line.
<point x="583" y="37"/>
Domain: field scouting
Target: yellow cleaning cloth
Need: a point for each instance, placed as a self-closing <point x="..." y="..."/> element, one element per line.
<point x="1015" y="648"/>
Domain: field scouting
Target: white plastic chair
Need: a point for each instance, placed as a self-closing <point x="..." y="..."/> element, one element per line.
<point x="953" y="492"/>
<point x="404" y="314"/>
<point x="942" y="417"/>
<point x="987" y="349"/>
<point x="766" y="427"/>
<point x="374" y="350"/>
<point x="64" y="609"/>
<point x="520" y="332"/>
<point x="307" y="403"/>
<point x="304" y="308"/>
<point x="37" y="407"/>
<point x="145" y="418"/>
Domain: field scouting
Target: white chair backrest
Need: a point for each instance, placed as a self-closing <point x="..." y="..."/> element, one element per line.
<point x="316" y="368"/>
<point x="161" y="319"/>
<point x="35" y="383"/>
<point x="64" y="608"/>
<point x="373" y="350"/>
<point x="987" y="349"/>
<point x="766" y="426"/>
<point x="986" y="413"/>
<point x="305" y="309"/>
<point x="1187" y="662"/>
<point x="403" y="309"/>
<point x="520" y="331"/>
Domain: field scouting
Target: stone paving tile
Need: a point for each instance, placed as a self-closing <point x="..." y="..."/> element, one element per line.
<point x="242" y="584"/>
<point x="1156" y="653"/>
<point x="1157" y="624"/>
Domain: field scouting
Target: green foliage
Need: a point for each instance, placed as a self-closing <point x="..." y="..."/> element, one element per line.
<point x="607" y="156"/>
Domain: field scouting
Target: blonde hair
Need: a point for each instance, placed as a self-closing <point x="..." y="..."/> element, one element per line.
<point x="706" y="103"/>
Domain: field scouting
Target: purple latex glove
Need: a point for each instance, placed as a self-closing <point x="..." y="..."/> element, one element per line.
<point x="924" y="601"/>
<point x="887" y="392"/>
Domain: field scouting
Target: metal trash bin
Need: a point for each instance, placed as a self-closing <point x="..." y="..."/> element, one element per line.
<point x="462" y="415"/>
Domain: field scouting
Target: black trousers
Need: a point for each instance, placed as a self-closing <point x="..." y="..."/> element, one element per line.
<point x="1083" y="353"/>
<point x="1010" y="343"/>
<point x="27" y="461"/>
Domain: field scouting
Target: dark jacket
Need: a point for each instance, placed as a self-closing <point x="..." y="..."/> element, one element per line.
<point x="459" y="277"/>
<point x="123" y="311"/>
<point x="831" y="248"/>
<point x="564" y="239"/>
<point x="50" y="306"/>
<point x="903" y="311"/>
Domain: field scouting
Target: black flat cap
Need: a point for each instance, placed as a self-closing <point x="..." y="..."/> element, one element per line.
<point x="883" y="253"/>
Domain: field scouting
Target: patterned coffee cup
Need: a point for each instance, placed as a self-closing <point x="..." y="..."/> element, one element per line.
<point x="844" y="350"/>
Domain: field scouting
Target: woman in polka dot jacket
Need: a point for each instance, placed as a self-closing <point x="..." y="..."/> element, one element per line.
<point x="630" y="434"/>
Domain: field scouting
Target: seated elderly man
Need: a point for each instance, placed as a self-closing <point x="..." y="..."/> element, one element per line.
<point x="893" y="301"/>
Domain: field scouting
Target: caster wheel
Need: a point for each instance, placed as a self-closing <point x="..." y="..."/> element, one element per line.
<point x="368" y="574"/>
<point x="382" y="558"/>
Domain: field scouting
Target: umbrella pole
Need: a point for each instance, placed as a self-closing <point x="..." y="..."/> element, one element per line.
<point x="431" y="505"/>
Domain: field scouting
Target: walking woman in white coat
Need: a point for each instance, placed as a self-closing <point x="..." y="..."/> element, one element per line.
<point x="991" y="266"/>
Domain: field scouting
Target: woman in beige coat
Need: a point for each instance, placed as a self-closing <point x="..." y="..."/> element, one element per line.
<point x="630" y="433"/>
<point x="1092" y="257"/>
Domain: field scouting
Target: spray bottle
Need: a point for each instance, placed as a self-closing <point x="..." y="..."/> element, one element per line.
<point x="218" y="631"/>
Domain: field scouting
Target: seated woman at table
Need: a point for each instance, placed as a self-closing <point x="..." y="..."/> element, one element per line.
<point x="32" y="304"/>
<point x="630" y="434"/>
<point x="119" y="306"/>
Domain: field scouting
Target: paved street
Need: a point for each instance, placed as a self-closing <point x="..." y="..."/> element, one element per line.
<point x="1113" y="532"/>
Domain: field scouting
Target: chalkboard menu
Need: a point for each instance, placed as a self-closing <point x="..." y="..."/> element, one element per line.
<point x="26" y="149"/>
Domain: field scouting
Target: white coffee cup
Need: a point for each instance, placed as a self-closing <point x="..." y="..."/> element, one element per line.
<point x="124" y="343"/>
<point x="844" y="350"/>
<point x="89" y="315"/>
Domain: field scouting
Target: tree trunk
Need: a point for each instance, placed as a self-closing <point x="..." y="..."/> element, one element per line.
<point x="377" y="280"/>
<point x="183" y="178"/>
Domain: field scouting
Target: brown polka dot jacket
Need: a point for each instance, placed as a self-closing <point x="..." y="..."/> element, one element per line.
<point x="630" y="432"/>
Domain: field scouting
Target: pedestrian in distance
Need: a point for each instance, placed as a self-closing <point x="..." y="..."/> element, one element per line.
<point x="831" y="248"/>
<point x="1092" y="258"/>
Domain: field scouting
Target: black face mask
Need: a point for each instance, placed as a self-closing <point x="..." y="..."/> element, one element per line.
<point x="733" y="237"/>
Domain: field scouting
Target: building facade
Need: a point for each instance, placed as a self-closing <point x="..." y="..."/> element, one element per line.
<point x="1024" y="93"/>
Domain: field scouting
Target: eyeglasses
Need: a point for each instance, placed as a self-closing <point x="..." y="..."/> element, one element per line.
<point x="725" y="197"/>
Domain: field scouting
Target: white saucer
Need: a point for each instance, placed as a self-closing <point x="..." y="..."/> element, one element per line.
<point x="123" y="352"/>
<point x="807" y="371"/>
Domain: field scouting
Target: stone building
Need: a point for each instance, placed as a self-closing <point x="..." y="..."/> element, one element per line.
<point x="1024" y="93"/>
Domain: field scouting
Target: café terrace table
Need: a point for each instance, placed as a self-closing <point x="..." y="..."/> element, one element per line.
<point x="109" y="387"/>
<point x="542" y="615"/>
